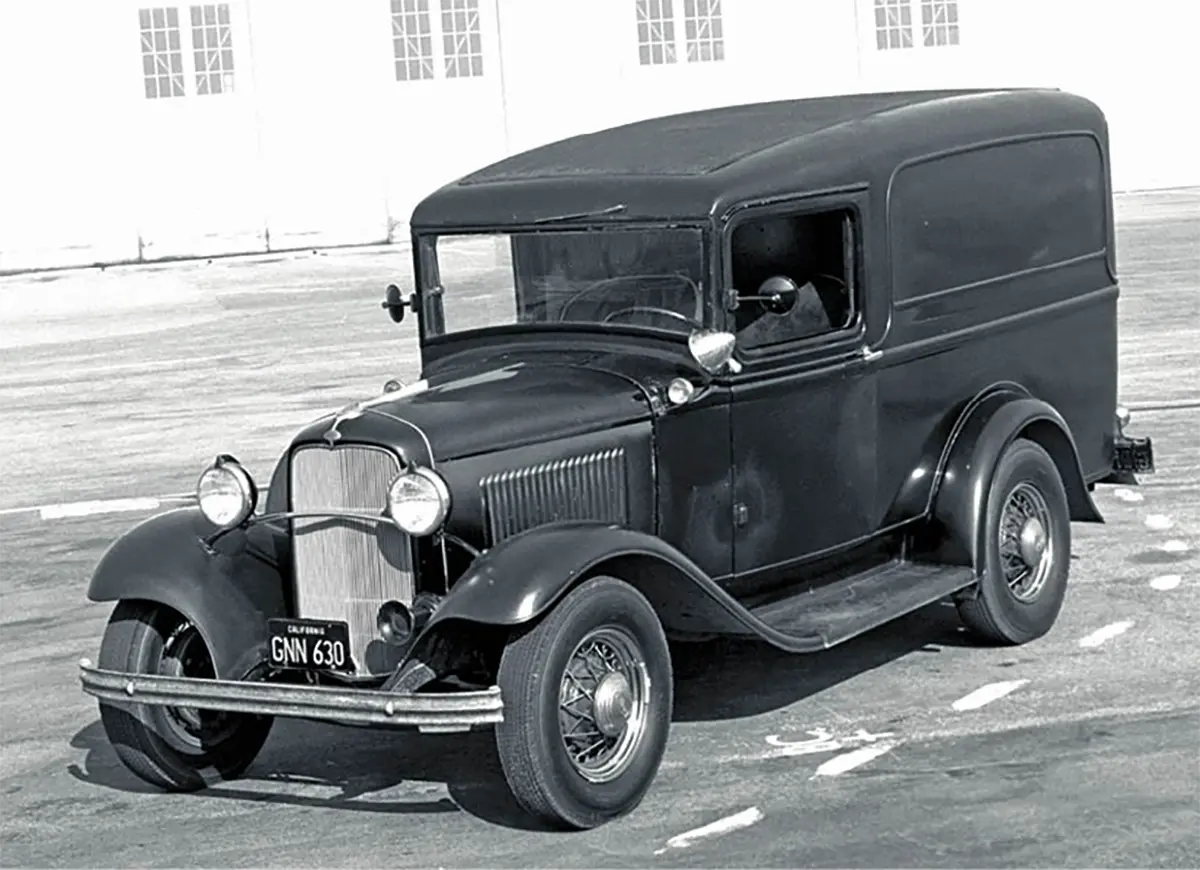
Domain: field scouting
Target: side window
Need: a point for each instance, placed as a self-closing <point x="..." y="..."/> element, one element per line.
<point x="794" y="277"/>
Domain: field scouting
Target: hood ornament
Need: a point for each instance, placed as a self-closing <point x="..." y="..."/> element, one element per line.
<point x="355" y="409"/>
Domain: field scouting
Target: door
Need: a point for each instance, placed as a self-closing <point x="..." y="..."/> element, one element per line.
<point x="804" y="410"/>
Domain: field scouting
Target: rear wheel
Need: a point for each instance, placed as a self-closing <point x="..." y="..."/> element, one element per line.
<point x="174" y="748"/>
<point x="587" y="706"/>
<point x="1028" y="549"/>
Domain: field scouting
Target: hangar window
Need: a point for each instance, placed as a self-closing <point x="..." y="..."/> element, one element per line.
<point x="896" y="25"/>
<point x="212" y="48"/>
<point x="424" y="42"/>
<point x="702" y="28"/>
<point x="462" y="40"/>
<point x="172" y="56"/>
<point x="162" y="54"/>
<point x="699" y="38"/>
<point x="794" y="277"/>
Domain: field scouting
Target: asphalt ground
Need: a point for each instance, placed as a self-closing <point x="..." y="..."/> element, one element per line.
<point x="907" y="747"/>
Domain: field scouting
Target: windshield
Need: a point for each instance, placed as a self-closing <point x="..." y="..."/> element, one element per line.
<point x="649" y="277"/>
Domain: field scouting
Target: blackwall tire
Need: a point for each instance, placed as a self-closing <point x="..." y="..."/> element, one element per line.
<point x="174" y="749"/>
<point x="1020" y="594"/>
<point x="595" y="671"/>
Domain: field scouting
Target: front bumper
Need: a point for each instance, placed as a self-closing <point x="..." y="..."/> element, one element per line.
<point x="449" y="712"/>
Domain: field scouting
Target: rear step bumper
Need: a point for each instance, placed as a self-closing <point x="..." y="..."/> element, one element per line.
<point x="448" y="712"/>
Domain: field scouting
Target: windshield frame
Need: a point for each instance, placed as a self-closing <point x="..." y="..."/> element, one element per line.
<point x="430" y="293"/>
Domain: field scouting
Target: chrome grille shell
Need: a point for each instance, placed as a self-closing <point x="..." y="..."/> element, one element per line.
<point x="346" y="568"/>
<point x="592" y="486"/>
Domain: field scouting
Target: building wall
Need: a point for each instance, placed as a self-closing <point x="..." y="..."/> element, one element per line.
<point x="327" y="120"/>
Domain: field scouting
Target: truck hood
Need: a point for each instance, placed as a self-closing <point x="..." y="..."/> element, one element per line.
<point x="480" y="409"/>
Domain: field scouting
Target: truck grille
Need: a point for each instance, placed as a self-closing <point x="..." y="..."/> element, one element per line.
<point x="345" y="568"/>
<point x="588" y="487"/>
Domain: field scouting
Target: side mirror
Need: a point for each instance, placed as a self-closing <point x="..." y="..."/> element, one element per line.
<point x="778" y="294"/>
<point x="395" y="303"/>
<point x="713" y="350"/>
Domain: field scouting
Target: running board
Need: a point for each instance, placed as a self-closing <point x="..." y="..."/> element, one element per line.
<point x="835" y="613"/>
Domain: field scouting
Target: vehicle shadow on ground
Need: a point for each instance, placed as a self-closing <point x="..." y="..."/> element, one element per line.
<point x="399" y="772"/>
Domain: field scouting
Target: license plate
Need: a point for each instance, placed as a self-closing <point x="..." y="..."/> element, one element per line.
<point x="1134" y="454"/>
<point x="309" y="644"/>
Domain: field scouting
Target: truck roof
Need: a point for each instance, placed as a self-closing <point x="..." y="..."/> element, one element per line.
<point x="695" y="165"/>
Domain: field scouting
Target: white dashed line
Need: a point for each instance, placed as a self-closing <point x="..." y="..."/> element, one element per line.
<point x="736" y="822"/>
<point x="1166" y="582"/>
<point x="1175" y="546"/>
<point x="987" y="694"/>
<point x="1107" y="633"/>
<point x="94" y="508"/>
<point x="1128" y="495"/>
<point x="840" y="764"/>
<point x="1158" y="522"/>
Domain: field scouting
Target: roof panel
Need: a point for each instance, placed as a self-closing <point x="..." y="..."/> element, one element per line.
<point x="695" y="143"/>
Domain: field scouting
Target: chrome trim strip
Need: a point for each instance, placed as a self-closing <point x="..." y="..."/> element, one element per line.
<point x="451" y="711"/>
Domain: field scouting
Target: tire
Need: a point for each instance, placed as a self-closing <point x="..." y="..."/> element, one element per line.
<point x="1013" y="607"/>
<point x="172" y="748"/>
<point x="603" y="615"/>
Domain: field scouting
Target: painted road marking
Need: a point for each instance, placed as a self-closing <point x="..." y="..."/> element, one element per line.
<point x="1158" y="522"/>
<point x="986" y="694"/>
<point x="1175" y="546"/>
<point x="1165" y="582"/>
<point x="736" y="822"/>
<point x="822" y="741"/>
<point x="847" y="761"/>
<point x="92" y="508"/>
<point x="1101" y="635"/>
<point x="1128" y="495"/>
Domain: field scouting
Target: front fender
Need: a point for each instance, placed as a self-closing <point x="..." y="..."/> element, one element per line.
<point x="960" y="500"/>
<point x="228" y="592"/>
<point x="520" y="578"/>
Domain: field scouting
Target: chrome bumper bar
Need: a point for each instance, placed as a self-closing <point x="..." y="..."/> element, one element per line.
<point x="452" y="711"/>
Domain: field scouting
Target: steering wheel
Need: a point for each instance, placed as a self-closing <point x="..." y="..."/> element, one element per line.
<point x="653" y="309"/>
<point x="604" y="287"/>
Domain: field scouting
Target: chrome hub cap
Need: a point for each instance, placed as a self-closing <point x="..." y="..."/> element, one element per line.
<point x="613" y="704"/>
<point x="604" y="701"/>
<point x="1032" y="541"/>
<point x="1025" y="542"/>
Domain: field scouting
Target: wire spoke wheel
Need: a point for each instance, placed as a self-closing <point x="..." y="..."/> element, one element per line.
<point x="1025" y="542"/>
<point x="603" y="703"/>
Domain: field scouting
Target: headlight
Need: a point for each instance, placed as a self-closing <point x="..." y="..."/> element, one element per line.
<point x="226" y="493"/>
<point x="419" y="501"/>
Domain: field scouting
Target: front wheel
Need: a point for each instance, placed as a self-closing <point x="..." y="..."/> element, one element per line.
<point x="1028" y="549"/>
<point x="174" y="748"/>
<point x="588" y="694"/>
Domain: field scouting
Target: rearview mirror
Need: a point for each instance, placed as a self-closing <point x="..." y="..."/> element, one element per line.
<point x="713" y="350"/>
<point x="395" y="303"/>
<point x="778" y="294"/>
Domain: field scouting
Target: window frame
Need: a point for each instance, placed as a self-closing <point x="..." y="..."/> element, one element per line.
<point x="430" y="15"/>
<point x="846" y="340"/>
<point x="916" y="32"/>
<point x="677" y="49"/>
<point x="189" y="73"/>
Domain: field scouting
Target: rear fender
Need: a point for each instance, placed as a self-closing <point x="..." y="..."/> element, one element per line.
<point x="522" y="577"/>
<point x="227" y="592"/>
<point x="960" y="496"/>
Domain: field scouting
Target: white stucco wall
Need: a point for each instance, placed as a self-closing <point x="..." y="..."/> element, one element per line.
<point x="319" y="144"/>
